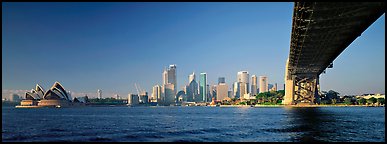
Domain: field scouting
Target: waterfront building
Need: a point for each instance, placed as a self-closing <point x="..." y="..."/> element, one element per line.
<point x="191" y="77"/>
<point x="56" y="96"/>
<point x="14" y="97"/>
<point x="212" y="92"/>
<point x="236" y="90"/>
<point x="156" y="93"/>
<point x="172" y="77"/>
<point x="263" y="84"/>
<point x="165" y="76"/>
<point x="99" y="94"/>
<point x="143" y="97"/>
<point x="221" y="80"/>
<point x="203" y="87"/>
<point x="243" y="80"/>
<point x="133" y="99"/>
<point x="254" y="85"/>
<point x="192" y="89"/>
<point x="221" y="91"/>
<point x="230" y="95"/>
<point x="169" y="94"/>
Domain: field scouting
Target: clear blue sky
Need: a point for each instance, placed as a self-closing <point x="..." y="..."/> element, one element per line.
<point x="111" y="46"/>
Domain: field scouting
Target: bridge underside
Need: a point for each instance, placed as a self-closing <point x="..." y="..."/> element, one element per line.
<point x="320" y="32"/>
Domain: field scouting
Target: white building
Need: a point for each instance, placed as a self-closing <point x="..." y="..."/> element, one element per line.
<point x="263" y="84"/>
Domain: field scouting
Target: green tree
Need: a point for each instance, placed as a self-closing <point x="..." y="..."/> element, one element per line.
<point x="362" y="101"/>
<point x="380" y="101"/>
<point x="371" y="100"/>
<point x="348" y="101"/>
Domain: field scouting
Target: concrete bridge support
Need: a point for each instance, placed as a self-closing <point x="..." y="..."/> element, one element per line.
<point x="301" y="89"/>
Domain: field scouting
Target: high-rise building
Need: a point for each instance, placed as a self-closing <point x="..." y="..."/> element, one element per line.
<point x="165" y="76"/>
<point x="236" y="90"/>
<point x="203" y="87"/>
<point x="99" y="94"/>
<point x="254" y="85"/>
<point x="191" y="77"/>
<point x="221" y="91"/>
<point x="172" y="77"/>
<point x="143" y="97"/>
<point x="192" y="89"/>
<point x="221" y="80"/>
<point x="230" y="95"/>
<point x="243" y="80"/>
<point x="133" y="99"/>
<point x="211" y="92"/>
<point x="169" y="94"/>
<point x="156" y="93"/>
<point x="263" y="84"/>
<point x="243" y="89"/>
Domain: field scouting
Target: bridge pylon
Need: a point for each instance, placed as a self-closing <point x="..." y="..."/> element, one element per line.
<point x="301" y="89"/>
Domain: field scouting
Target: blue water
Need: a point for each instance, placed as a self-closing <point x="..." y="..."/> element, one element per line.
<point x="209" y="124"/>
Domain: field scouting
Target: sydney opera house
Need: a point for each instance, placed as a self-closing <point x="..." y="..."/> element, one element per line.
<point x="56" y="96"/>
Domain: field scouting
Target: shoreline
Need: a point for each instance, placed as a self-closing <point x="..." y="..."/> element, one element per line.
<point x="222" y="106"/>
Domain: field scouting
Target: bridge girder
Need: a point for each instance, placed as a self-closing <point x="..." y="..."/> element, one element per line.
<point x="320" y="32"/>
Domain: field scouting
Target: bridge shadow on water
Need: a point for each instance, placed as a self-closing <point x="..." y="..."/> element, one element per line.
<point x="310" y="125"/>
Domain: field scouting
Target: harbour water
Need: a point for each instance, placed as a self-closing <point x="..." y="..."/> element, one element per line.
<point x="208" y="124"/>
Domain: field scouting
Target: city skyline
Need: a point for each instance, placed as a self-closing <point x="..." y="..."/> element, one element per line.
<point x="111" y="46"/>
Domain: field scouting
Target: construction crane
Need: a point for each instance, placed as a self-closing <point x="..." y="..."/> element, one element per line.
<point x="137" y="89"/>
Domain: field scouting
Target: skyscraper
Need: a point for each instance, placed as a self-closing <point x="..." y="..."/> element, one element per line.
<point x="221" y="91"/>
<point x="263" y="84"/>
<point x="254" y="85"/>
<point x="156" y="93"/>
<point x="191" y="77"/>
<point x="172" y="77"/>
<point x="203" y="87"/>
<point x="243" y="80"/>
<point x="169" y="94"/>
<point x="221" y="80"/>
<point x="99" y="94"/>
<point x="165" y="76"/>
<point x="192" y="90"/>
<point x="236" y="90"/>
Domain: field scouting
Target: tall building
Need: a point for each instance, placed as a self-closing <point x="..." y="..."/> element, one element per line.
<point x="192" y="89"/>
<point x="211" y="92"/>
<point x="15" y="98"/>
<point x="172" y="77"/>
<point x="230" y="95"/>
<point x="221" y="80"/>
<point x="263" y="84"/>
<point x="165" y="76"/>
<point x="221" y="91"/>
<point x="243" y="80"/>
<point x="203" y="87"/>
<point x="133" y="99"/>
<point x="236" y="90"/>
<point x="99" y="94"/>
<point x="191" y="77"/>
<point x="143" y="97"/>
<point x="243" y="89"/>
<point x="169" y="94"/>
<point x="254" y="85"/>
<point x="156" y="93"/>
